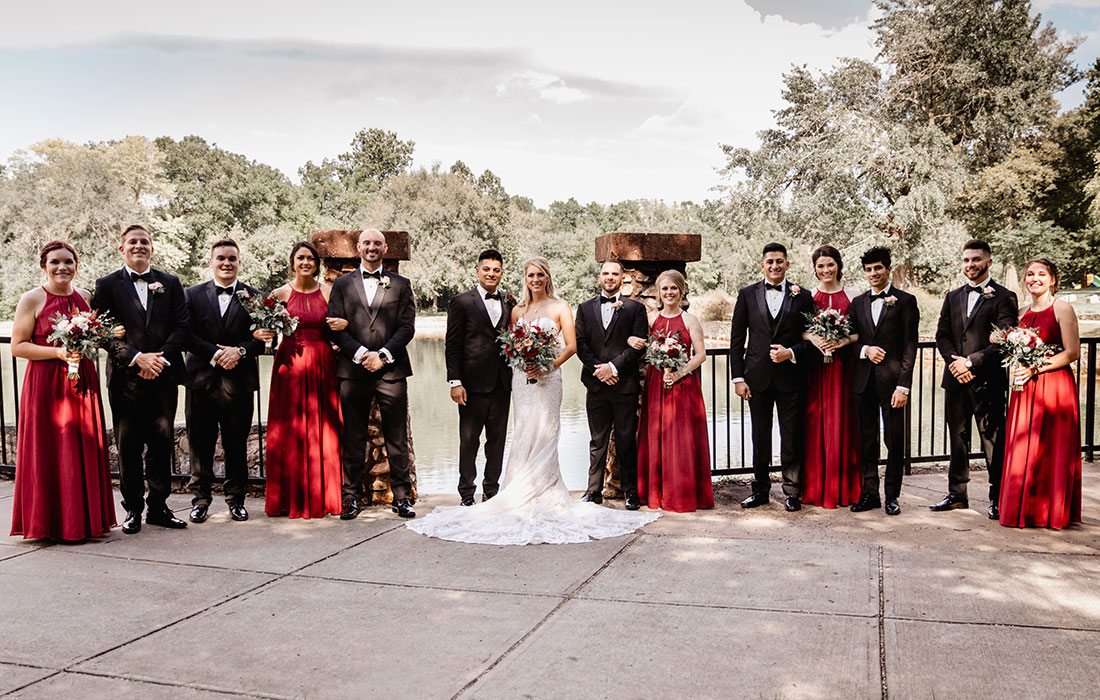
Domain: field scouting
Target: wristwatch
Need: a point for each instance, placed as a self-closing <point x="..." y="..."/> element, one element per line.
<point x="241" y="350"/>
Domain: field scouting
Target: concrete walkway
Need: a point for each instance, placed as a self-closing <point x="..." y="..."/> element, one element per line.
<point x="720" y="604"/>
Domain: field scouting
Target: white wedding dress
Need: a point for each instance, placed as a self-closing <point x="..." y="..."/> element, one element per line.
<point x="534" y="505"/>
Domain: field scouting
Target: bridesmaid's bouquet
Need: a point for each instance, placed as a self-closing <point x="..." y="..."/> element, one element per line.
<point x="828" y="324"/>
<point x="84" y="332"/>
<point x="268" y="313"/>
<point x="1024" y="347"/>
<point x="666" y="350"/>
<point x="528" y="346"/>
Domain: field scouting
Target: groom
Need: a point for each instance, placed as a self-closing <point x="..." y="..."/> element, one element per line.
<point x="610" y="374"/>
<point x="374" y="366"/>
<point x="769" y="314"/>
<point x="480" y="379"/>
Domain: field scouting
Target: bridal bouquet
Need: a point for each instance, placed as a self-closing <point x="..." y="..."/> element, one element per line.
<point x="267" y="313"/>
<point x="828" y="324"/>
<point x="83" y="332"/>
<point x="529" y="346"/>
<point x="665" y="350"/>
<point x="1024" y="347"/>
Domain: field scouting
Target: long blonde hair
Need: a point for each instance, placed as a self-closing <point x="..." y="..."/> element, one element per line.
<point x="544" y="265"/>
<point x="678" y="279"/>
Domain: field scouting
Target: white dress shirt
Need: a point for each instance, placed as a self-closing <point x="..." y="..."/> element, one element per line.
<point x="774" y="298"/>
<point x="140" y="286"/>
<point x="607" y="310"/>
<point x="493" y="306"/>
<point x="974" y="294"/>
<point x="370" y="288"/>
<point x="877" y="307"/>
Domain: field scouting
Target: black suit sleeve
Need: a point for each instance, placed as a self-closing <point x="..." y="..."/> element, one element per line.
<point x="910" y="327"/>
<point x="1007" y="316"/>
<point x="857" y="329"/>
<point x="453" y="342"/>
<point x="198" y="346"/>
<point x="120" y="351"/>
<point x="739" y="327"/>
<point x="336" y="309"/>
<point x="944" y="342"/>
<point x="584" y="349"/>
<point x="804" y="306"/>
<point x="629" y="358"/>
<point x="181" y="319"/>
<point x="406" y="322"/>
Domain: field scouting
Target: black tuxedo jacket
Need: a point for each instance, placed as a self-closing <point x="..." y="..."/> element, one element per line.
<point x="209" y="329"/>
<point x="388" y="323"/>
<point x="161" y="327"/>
<point x="751" y="321"/>
<point x="596" y="345"/>
<point x="896" y="333"/>
<point x="969" y="337"/>
<point x="471" y="348"/>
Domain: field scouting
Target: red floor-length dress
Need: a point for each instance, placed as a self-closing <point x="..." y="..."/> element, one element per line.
<point x="1041" y="482"/>
<point x="673" y="448"/>
<point x="62" y="468"/>
<point x="303" y="429"/>
<point x="831" y="472"/>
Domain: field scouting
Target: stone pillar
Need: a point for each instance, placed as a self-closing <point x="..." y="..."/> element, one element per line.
<point x="339" y="255"/>
<point x="644" y="256"/>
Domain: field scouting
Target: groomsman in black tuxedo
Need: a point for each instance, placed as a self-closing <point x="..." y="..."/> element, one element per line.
<point x="222" y="377"/>
<point x="143" y="375"/>
<point x="974" y="380"/>
<point x="765" y="371"/>
<point x="479" y="378"/>
<point x="374" y="365"/>
<point x="610" y="374"/>
<point x="887" y="321"/>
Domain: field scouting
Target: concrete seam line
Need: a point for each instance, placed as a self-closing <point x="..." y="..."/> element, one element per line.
<point x="424" y="586"/>
<point x="170" y="684"/>
<point x="1013" y="625"/>
<point x="740" y="608"/>
<point x="538" y="625"/>
<point x="192" y="565"/>
<point x="28" y="685"/>
<point x="882" y="624"/>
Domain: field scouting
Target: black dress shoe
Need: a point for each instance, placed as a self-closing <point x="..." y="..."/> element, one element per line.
<point x="404" y="509"/>
<point x="949" y="502"/>
<point x="994" y="511"/>
<point x="468" y="501"/>
<point x="164" y="518"/>
<point x="199" y="513"/>
<point x="132" y="523"/>
<point x="865" y="503"/>
<point x="237" y="512"/>
<point x="892" y="507"/>
<point x="351" y="509"/>
<point x="592" y="498"/>
<point x="792" y="504"/>
<point x="755" y="500"/>
<point x="486" y="496"/>
<point x="632" y="502"/>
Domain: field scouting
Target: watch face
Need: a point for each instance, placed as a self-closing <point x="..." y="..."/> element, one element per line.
<point x="241" y="351"/>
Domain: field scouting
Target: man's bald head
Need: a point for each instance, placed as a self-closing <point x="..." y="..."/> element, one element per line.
<point x="371" y="247"/>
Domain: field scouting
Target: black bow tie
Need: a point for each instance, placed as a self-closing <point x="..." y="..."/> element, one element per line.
<point x="972" y="288"/>
<point x="492" y="295"/>
<point x="377" y="274"/>
<point x="880" y="295"/>
<point x="223" y="290"/>
<point x="143" y="276"/>
<point x="607" y="300"/>
<point x="776" y="287"/>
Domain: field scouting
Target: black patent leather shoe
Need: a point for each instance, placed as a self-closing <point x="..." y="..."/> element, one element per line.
<point x="404" y="509"/>
<point x="468" y="501"/>
<point x="865" y="503"/>
<point x="351" y="509"/>
<point x="792" y="504"/>
<point x="132" y="523"/>
<point x="632" y="502"/>
<point x="238" y="512"/>
<point x="592" y="498"/>
<point x="892" y="507"/>
<point x="486" y="496"/>
<point x="199" y="513"/>
<point x="756" y="500"/>
<point x="994" y="511"/>
<point x="949" y="502"/>
<point x="163" y="517"/>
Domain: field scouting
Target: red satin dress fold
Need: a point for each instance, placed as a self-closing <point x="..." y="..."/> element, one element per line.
<point x="303" y="429"/>
<point x="1041" y="481"/>
<point x="62" y="467"/>
<point x="673" y="448"/>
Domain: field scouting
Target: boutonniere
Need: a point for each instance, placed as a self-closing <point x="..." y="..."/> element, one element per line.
<point x="384" y="282"/>
<point x="795" y="290"/>
<point x="156" y="288"/>
<point x="889" y="301"/>
<point x="617" y="305"/>
<point x="510" y="299"/>
<point x="988" y="292"/>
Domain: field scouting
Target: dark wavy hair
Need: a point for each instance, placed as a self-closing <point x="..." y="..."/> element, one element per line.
<point x="828" y="251"/>
<point x="51" y="247"/>
<point x="1055" y="277"/>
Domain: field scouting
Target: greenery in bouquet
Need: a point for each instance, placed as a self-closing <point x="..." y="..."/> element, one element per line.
<point x="828" y="324"/>
<point x="83" y="332"/>
<point x="528" y="346"/>
<point x="666" y="350"/>
<point x="1023" y="347"/>
<point x="267" y="313"/>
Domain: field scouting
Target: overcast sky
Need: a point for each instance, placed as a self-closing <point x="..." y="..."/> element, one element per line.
<point x="598" y="100"/>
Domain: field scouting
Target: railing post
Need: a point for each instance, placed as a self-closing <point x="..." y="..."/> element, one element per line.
<point x="1090" y="402"/>
<point x="907" y="458"/>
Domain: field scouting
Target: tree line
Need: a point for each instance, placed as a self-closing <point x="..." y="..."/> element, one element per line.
<point x="952" y="132"/>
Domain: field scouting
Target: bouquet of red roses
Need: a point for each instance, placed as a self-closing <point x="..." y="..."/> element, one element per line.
<point x="666" y="350"/>
<point x="529" y="346"/>
<point x="1024" y="347"/>
<point x="268" y="313"/>
<point x="84" y="332"/>
<point x="828" y="324"/>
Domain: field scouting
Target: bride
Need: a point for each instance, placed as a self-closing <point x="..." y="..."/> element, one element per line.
<point x="534" y="505"/>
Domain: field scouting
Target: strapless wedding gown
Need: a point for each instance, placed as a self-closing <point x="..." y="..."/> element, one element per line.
<point x="533" y="506"/>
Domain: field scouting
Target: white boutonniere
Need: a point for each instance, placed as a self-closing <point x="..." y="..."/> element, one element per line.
<point x="889" y="301"/>
<point x="156" y="288"/>
<point x="988" y="292"/>
<point x="384" y="282"/>
<point x="617" y="305"/>
<point x="795" y="290"/>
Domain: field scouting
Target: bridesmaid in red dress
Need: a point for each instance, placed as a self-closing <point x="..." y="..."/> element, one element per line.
<point x="673" y="449"/>
<point x="831" y="471"/>
<point x="303" y="428"/>
<point x="1041" y="482"/>
<point x="63" y="474"/>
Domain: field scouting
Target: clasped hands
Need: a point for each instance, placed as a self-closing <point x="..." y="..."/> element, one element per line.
<point x="372" y="361"/>
<point x="960" y="371"/>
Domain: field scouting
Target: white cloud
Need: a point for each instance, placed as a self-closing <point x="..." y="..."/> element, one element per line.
<point x="543" y="85"/>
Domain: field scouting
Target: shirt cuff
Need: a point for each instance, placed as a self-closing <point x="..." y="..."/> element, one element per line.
<point x="214" y="358"/>
<point x="794" y="358"/>
<point x="738" y="379"/>
<point x="863" y="353"/>
<point x="360" y="354"/>
<point x="614" y="369"/>
<point x="902" y="390"/>
<point x="454" y="382"/>
<point x="386" y="356"/>
<point x="133" y="360"/>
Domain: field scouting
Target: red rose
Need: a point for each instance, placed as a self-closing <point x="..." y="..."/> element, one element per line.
<point x="269" y="302"/>
<point x="674" y="352"/>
